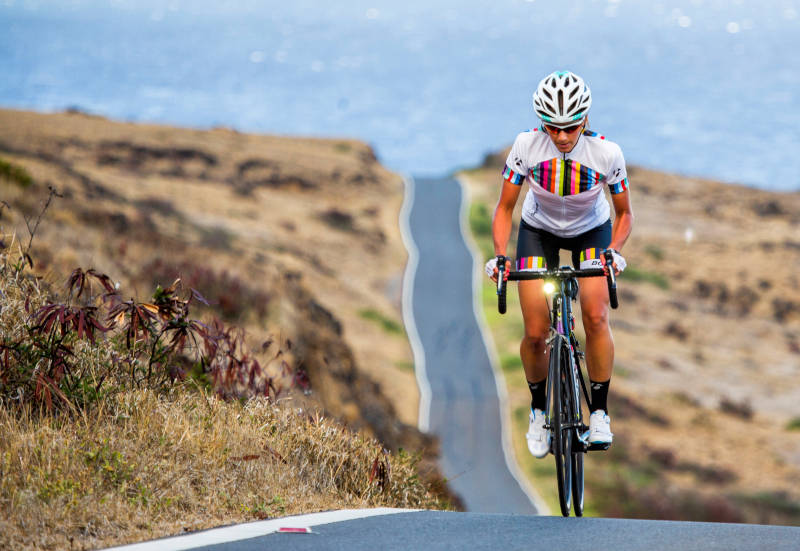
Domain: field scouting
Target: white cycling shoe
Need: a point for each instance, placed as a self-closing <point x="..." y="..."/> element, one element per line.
<point x="538" y="437"/>
<point x="600" y="428"/>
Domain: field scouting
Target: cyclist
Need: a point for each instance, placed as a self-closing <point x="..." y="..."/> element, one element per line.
<point x="566" y="167"/>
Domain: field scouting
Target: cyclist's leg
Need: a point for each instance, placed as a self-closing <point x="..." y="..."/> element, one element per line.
<point x="536" y="317"/>
<point x="586" y="250"/>
<point x="599" y="341"/>
<point x="535" y="251"/>
<point x="531" y="254"/>
<point x="599" y="356"/>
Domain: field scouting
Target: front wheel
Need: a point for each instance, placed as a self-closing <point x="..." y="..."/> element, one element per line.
<point x="576" y="415"/>
<point x="562" y="436"/>
<point x="577" y="482"/>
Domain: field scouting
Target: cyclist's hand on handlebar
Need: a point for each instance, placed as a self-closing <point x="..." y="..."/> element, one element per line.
<point x="618" y="263"/>
<point x="491" y="269"/>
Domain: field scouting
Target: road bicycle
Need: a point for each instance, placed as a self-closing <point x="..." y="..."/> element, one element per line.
<point x="566" y="384"/>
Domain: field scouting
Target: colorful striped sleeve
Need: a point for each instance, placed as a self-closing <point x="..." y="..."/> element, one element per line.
<point x="513" y="177"/>
<point x="619" y="187"/>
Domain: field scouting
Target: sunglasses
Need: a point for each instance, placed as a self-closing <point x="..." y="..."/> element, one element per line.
<point x="569" y="130"/>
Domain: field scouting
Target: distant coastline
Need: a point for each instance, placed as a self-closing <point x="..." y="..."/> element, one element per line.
<point x="432" y="89"/>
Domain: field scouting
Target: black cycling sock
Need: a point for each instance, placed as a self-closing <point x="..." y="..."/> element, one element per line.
<point x="538" y="394"/>
<point x="600" y="395"/>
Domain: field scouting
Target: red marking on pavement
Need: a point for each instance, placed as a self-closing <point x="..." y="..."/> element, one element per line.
<point x="291" y="530"/>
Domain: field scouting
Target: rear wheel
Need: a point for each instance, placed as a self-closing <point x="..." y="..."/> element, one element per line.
<point x="562" y="437"/>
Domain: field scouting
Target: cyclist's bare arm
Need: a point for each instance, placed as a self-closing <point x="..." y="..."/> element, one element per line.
<point x="501" y="222"/>
<point x="623" y="221"/>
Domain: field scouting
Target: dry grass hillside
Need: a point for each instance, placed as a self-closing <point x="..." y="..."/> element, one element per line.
<point x="143" y="467"/>
<point x="707" y="370"/>
<point x="284" y="235"/>
<point x="295" y="241"/>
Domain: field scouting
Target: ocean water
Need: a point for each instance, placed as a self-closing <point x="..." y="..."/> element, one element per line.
<point x="699" y="87"/>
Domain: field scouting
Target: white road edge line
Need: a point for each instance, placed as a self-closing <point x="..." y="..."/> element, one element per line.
<point x="408" y="307"/>
<point x="488" y="341"/>
<point x="255" y="529"/>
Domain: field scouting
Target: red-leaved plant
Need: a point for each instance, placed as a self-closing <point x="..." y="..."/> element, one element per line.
<point x="75" y="351"/>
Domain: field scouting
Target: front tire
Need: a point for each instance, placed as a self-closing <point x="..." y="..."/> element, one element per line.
<point x="577" y="482"/>
<point x="576" y="415"/>
<point x="562" y="437"/>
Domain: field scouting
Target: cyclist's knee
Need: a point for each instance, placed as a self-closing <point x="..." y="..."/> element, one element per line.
<point x="595" y="320"/>
<point x="537" y="331"/>
<point x="534" y="340"/>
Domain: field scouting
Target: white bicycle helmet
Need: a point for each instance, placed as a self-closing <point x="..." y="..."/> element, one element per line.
<point x="561" y="99"/>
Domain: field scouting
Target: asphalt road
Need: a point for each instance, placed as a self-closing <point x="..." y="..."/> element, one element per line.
<point x="464" y="409"/>
<point x="432" y="530"/>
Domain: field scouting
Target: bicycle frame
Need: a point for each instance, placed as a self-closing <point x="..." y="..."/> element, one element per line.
<point x="562" y="329"/>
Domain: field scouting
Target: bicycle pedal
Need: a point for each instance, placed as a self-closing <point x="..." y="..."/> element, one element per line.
<point x="599" y="447"/>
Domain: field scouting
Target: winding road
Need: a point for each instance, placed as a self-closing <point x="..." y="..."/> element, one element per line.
<point x="460" y="393"/>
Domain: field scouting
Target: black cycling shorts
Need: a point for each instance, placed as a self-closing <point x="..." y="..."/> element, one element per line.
<point x="538" y="249"/>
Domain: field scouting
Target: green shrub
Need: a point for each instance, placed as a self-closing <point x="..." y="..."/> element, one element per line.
<point x="637" y="275"/>
<point x="793" y="424"/>
<point x="404" y="365"/>
<point x="15" y="174"/>
<point x="389" y="325"/>
<point x="654" y="251"/>
<point x="511" y="362"/>
<point x="480" y="220"/>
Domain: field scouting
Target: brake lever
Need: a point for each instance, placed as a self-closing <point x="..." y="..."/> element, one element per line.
<point x="501" y="268"/>
<point x="611" y="278"/>
<point x="501" y="284"/>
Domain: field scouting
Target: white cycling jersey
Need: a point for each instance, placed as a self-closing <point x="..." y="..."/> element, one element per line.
<point x="566" y="189"/>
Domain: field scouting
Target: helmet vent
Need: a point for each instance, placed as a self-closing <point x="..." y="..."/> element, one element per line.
<point x="560" y="101"/>
<point x="572" y="106"/>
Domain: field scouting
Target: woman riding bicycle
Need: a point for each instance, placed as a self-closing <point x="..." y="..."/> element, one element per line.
<point x="566" y="167"/>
